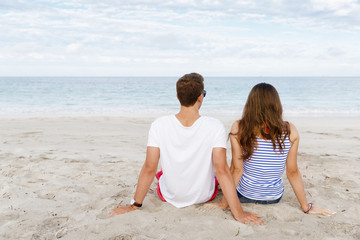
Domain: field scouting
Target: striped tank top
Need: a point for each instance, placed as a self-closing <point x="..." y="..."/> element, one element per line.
<point x="262" y="175"/>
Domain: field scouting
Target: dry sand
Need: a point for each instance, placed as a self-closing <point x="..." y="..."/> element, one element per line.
<point x="60" y="176"/>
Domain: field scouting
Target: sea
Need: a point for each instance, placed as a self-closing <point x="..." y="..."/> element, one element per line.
<point x="94" y="96"/>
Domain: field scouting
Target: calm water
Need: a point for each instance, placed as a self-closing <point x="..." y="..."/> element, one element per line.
<point x="301" y="96"/>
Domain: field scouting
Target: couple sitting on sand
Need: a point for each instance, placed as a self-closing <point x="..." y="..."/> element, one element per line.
<point x="192" y="152"/>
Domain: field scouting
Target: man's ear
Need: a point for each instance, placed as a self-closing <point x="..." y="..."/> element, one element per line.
<point x="200" y="98"/>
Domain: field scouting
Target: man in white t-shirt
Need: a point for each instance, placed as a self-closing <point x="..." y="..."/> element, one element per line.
<point x="192" y="150"/>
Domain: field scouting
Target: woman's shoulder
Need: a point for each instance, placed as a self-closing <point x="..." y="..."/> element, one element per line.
<point x="235" y="127"/>
<point x="294" y="134"/>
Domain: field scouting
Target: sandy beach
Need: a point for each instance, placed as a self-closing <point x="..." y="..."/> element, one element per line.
<point x="60" y="176"/>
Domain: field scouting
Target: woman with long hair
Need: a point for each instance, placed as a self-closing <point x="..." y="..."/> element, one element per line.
<point x="262" y="146"/>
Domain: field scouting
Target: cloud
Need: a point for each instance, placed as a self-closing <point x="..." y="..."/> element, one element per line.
<point x="176" y="35"/>
<point x="337" y="7"/>
<point x="335" y="52"/>
<point x="73" y="47"/>
<point x="36" y="55"/>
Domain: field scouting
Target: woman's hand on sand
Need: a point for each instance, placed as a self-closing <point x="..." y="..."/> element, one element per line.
<point x="249" y="217"/>
<point x="321" y="211"/>
<point x="122" y="209"/>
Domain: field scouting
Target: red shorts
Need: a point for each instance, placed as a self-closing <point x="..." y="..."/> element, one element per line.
<point x="158" y="175"/>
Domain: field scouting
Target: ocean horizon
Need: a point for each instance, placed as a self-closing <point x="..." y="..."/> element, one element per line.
<point x="74" y="96"/>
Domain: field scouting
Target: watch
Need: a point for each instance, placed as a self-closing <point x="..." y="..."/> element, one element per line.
<point x="134" y="203"/>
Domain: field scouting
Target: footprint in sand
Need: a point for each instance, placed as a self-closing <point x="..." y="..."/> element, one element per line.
<point x="121" y="237"/>
<point x="73" y="189"/>
<point x="52" y="226"/>
<point x="45" y="195"/>
<point x="8" y="215"/>
<point x="106" y="210"/>
<point x="53" y="223"/>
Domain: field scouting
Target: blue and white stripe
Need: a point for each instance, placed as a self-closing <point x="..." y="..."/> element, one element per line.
<point x="262" y="175"/>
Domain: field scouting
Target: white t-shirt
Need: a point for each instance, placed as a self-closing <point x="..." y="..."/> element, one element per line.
<point x="186" y="158"/>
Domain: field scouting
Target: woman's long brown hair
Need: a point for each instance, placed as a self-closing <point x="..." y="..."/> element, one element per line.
<point x="262" y="115"/>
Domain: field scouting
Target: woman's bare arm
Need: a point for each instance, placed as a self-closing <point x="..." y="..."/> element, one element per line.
<point x="295" y="179"/>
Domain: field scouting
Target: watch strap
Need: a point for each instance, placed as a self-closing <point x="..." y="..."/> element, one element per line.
<point x="136" y="204"/>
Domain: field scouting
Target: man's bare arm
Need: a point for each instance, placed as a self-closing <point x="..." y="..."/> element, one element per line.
<point x="146" y="177"/>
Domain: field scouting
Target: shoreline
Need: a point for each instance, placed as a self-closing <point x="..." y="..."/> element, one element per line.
<point x="305" y="121"/>
<point x="62" y="175"/>
<point x="167" y="112"/>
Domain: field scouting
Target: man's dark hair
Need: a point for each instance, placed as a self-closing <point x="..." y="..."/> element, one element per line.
<point x="189" y="87"/>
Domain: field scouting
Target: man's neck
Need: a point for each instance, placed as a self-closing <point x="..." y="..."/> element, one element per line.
<point x="188" y="115"/>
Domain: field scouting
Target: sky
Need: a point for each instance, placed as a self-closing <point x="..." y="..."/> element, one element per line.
<point x="171" y="38"/>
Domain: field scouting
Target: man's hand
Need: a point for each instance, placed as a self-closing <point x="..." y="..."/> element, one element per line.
<point x="246" y="217"/>
<point x="122" y="209"/>
<point x="215" y="205"/>
<point x="249" y="217"/>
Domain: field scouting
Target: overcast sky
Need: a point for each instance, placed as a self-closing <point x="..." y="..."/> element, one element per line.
<point x="170" y="38"/>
